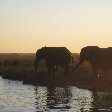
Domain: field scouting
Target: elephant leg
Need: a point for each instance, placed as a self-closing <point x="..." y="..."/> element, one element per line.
<point x="96" y="72"/>
<point x="66" y="69"/>
<point x="103" y="72"/>
<point x="49" y="69"/>
<point x="53" y="69"/>
<point x="36" y="74"/>
<point x="36" y="67"/>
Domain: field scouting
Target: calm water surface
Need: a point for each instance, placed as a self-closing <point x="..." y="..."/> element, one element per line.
<point x="17" y="97"/>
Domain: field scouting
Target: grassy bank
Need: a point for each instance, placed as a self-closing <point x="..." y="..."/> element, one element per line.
<point x="17" y="66"/>
<point x="21" y="67"/>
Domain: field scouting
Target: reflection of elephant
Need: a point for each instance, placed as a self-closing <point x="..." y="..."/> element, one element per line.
<point x="58" y="97"/>
<point x="54" y="56"/>
<point x="100" y="58"/>
<point x="102" y="100"/>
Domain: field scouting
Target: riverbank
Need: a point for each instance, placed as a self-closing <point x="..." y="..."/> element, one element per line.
<point x="21" y="67"/>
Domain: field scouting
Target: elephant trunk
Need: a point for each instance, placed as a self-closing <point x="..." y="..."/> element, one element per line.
<point x="72" y="59"/>
<point x="76" y="66"/>
<point x="36" y="65"/>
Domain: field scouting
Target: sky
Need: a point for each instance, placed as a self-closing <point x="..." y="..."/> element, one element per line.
<point x="27" y="25"/>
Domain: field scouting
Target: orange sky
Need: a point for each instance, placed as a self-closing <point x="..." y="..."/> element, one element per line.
<point x="28" y="25"/>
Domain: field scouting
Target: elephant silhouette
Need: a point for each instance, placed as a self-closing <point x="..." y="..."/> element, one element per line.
<point x="54" y="56"/>
<point x="99" y="58"/>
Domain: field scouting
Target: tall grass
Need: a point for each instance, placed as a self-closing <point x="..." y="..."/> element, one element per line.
<point x="21" y="67"/>
<point x="17" y="66"/>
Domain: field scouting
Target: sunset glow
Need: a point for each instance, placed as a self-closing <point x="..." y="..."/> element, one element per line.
<point x="27" y="25"/>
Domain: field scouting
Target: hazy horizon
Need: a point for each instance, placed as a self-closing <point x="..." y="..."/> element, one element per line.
<point x="27" y="25"/>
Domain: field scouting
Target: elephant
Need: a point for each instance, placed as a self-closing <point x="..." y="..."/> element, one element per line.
<point x="99" y="58"/>
<point x="54" y="57"/>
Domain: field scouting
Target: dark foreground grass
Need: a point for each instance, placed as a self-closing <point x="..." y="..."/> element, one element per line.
<point x="21" y="67"/>
<point x="17" y="66"/>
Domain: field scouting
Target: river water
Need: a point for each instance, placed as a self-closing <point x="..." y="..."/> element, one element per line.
<point x="18" y="97"/>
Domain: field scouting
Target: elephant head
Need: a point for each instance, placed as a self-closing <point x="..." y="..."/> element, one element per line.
<point x="40" y="54"/>
<point x="86" y="54"/>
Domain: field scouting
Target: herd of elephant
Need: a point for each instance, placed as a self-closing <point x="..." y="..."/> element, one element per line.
<point x="99" y="58"/>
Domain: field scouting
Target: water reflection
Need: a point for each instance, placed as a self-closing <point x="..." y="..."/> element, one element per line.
<point x="48" y="98"/>
<point x="17" y="97"/>
<point x="81" y="99"/>
<point x="63" y="99"/>
<point x="41" y="98"/>
<point x="72" y="99"/>
<point x="102" y="101"/>
<point x="58" y="97"/>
